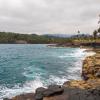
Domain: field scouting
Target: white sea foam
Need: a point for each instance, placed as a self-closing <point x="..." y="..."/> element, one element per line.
<point x="57" y="80"/>
<point x="32" y="85"/>
<point x="16" y="90"/>
<point x="76" y="53"/>
<point x="75" y="71"/>
<point x="29" y="87"/>
<point x="89" y="53"/>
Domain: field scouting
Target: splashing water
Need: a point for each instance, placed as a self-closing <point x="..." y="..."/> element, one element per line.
<point x="23" y="68"/>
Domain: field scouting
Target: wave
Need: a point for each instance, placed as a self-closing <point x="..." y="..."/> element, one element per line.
<point x="57" y="80"/>
<point x="29" y="86"/>
<point x="76" y="53"/>
<point x="75" y="71"/>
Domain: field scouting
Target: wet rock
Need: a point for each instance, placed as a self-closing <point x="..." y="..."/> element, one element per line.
<point x="39" y="93"/>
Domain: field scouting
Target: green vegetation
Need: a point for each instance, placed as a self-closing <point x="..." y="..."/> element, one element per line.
<point x="95" y="34"/>
<point x="11" y="38"/>
<point x="8" y="37"/>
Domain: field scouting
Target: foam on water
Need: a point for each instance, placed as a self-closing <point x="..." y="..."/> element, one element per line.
<point x="76" y="70"/>
<point x="57" y="80"/>
<point x="77" y="53"/>
<point x="72" y="72"/>
<point x="17" y="90"/>
<point x="29" y="87"/>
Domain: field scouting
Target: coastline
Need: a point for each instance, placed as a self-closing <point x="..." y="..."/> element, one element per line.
<point x="56" y="92"/>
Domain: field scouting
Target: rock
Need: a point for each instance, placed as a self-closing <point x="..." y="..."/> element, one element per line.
<point x="7" y="99"/>
<point x="39" y="93"/>
<point x="97" y="74"/>
<point x="53" y="90"/>
<point x="58" y="97"/>
<point x="28" y="96"/>
<point x="76" y="94"/>
<point x="40" y="90"/>
<point x="91" y="67"/>
<point x="67" y="83"/>
<point x="39" y="96"/>
<point x="84" y="76"/>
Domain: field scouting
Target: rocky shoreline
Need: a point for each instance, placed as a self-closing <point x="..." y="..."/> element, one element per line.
<point x="86" y="89"/>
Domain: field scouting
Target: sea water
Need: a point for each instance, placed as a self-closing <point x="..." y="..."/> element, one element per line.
<point x="25" y="67"/>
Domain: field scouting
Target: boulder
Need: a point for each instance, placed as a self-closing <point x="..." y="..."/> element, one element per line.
<point x="40" y="90"/>
<point x="53" y="90"/>
<point x="39" y="93"/>
<point x="50" y="91"/>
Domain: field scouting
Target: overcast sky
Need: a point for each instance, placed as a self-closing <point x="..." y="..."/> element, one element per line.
<point x="49" y="16"/>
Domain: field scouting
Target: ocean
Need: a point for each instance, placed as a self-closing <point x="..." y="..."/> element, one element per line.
<point x="25" y="67"/>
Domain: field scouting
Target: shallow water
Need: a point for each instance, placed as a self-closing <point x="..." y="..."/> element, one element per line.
<point x="24" y="67"/>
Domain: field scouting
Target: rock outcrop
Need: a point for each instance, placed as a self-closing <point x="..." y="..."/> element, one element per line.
<point x="90" y="73"/>
<point x="50" y="91"/>
<point x="76" y="94"/>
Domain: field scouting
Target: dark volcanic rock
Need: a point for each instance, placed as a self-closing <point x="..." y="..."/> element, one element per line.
<point x="76" y="94"/>
<point x="51" y="90"/>
<point x="40" y="90"/>
<point x="39" y="93"/>
<point x="66" y="94"/>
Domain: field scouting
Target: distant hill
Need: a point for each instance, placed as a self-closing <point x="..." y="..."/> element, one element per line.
<point x="67" y="35"/>
<point x="9" y="37"/>
<point x="59" y="35"/>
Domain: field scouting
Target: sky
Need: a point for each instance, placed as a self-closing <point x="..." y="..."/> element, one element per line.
<point x="49" y="16"/>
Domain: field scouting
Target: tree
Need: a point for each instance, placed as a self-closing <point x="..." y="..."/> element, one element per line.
<point x="78" y="32"/>
<point x="98" y="30"/>
<point x="95" y="34"/>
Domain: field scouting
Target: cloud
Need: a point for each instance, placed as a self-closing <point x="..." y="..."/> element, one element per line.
<point x="49" y="16"/>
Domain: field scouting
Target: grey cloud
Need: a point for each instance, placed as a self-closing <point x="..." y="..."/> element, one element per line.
<point x="58" y="16"/>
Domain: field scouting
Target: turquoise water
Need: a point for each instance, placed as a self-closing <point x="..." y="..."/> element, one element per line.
<point x="24" y="67"/>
